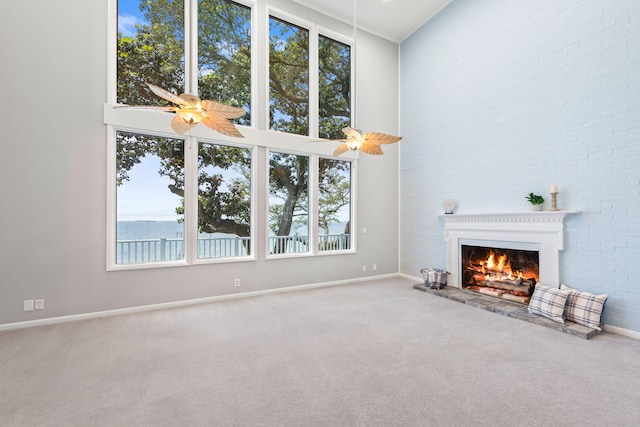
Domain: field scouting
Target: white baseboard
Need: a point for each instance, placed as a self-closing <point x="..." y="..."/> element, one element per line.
<point x="622" y="331"/>
<point x="139" y="309"/>
<point x="409" y="277"/>
<point x="75" y="317"/>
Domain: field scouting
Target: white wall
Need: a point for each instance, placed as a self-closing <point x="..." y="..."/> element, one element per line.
<point x="503" y="98"/>
<point x="54" y="176"/>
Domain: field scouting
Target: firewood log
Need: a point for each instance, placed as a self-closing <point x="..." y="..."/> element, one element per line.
<point x="508" y="285"/>
<point x="491" y="291"/>
<point x="516" y="298"/>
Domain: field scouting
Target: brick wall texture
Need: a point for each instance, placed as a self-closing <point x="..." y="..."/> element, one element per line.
<point x="502" y="98"/>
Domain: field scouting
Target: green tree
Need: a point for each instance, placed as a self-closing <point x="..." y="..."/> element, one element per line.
<point x="289" y="182"/>
<point x="335" y="87"/>
<point x="334" y="189"/>
<point x="288" y="77"/>
<point x="156" y="55"/>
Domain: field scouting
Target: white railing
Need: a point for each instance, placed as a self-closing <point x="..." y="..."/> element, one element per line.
<point x="333" y="242"/>
<point x="151" y="250"/>
<point x="223" y="247"/>
<point x="288" y="244"/>
<point x="300" y="244"/>
<point x="154" y="250"/>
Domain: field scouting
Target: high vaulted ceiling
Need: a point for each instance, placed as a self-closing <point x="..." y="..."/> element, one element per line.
<point x="394" y="20"/>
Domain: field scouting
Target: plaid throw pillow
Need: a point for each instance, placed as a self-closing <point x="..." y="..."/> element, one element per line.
<point x="549" y="302"/>
<point x="585" y="308"/>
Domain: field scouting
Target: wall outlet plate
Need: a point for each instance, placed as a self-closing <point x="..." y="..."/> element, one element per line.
<point x="27" y="305"/>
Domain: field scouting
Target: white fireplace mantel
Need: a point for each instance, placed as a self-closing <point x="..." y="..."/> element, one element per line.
<point x="541" y="231"/>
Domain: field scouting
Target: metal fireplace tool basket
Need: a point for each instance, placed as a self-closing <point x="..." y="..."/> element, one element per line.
<point x="434" y="278"/>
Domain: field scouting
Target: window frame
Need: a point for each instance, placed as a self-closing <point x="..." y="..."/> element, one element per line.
<point x="314" y="195"/>
<point x="257" y="136"/>
<point x="191" y="146"/>
<point x="352" y="210"/>
<point x="313" y="59"/>
<point x="252" y="256"/>
<point x="312" y="171"/>
<point x="315" y="31"/>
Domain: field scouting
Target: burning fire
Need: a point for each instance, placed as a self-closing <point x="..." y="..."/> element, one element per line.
<point x="500" y="269"/>
<point x="497" y="267"/>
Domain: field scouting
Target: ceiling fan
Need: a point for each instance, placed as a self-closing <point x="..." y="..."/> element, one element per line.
<point x="366" y="142"/>
<point x="191" y="110"/>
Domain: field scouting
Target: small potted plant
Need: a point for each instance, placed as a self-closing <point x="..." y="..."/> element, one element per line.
<point x="536" y="201"/>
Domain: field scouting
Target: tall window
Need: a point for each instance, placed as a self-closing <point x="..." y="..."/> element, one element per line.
<point x="288" y="77"/>
<point x="334" y="205"/>
<point x="149" y="217"/>
<point x="224" y="54"/>
<point x="288" y="203"/>
<point x="224" y="201"/>
<point x="190" y="199"/>
<point x="334" y="68"/>
<point x="151" y="49"/>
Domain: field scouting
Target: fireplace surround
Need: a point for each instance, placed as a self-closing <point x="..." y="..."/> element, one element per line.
<point x="532" y="231"/>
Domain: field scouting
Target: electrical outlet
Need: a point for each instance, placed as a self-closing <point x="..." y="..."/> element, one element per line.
<point x="364" y="268"/>
<point x="27" y="305"/>
<point x="236" y="282"/>
<point x="375" y="267"/>
<point x="39" y="304"/>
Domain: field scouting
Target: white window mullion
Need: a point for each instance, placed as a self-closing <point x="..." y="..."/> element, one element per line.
<point x="314" y="194"/>
<point x="112" y="51"/>
<point x="255" y="86"/>
<point x="191" y="199"/>
<point x="191" y="143"/>
<point x="314" y="88"/>
<point x="353" y="192"/>
<point x="191" y="46"/>
<point x="264" y="41"/>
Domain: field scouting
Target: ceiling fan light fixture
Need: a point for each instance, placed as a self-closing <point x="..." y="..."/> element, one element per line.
<point x="191" y="115"/>
<point x="354" y="142"/>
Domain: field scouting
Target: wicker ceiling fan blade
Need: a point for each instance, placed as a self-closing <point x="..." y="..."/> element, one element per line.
<point x="165" y="94"/>
<point x="223" y="126"/>
<point x="373" y="149"/>
<point x="215" y="108"/>
<point x="341" y="149"/>
<point x="380" y="138"/>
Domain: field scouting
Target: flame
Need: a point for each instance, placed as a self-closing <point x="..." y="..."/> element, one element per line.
<point x="499" y="269"/>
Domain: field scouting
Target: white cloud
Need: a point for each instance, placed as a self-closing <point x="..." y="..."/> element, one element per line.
<point x="127" y="25"/>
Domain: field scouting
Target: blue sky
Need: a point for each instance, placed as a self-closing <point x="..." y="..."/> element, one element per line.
<point x="128" y="16"/>
<point x="146" y="196"/>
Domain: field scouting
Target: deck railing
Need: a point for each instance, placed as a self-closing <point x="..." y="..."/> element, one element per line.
<point x="154" y="250"/>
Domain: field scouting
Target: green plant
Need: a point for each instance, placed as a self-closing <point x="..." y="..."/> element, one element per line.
<point x="535" y="199"/>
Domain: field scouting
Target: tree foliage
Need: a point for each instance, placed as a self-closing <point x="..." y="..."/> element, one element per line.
<point x="156" y="53"/>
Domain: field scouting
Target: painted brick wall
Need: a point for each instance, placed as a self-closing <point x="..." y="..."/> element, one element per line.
<point x="499" y="99"/>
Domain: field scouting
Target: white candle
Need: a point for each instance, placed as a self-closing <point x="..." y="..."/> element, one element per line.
<point x="554" y="188"/>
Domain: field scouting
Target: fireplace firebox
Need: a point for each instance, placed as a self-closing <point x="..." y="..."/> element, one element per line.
<point x="509" y="274"/>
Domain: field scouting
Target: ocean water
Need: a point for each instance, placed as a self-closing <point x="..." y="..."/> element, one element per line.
<point x="141" y="230"/>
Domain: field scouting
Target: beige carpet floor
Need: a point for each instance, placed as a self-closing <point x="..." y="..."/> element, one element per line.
<point x="368" y="354"/>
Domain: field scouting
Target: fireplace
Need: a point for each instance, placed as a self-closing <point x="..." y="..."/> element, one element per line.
<point x="509" y="274"/>
<point x="530" y="242"/>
